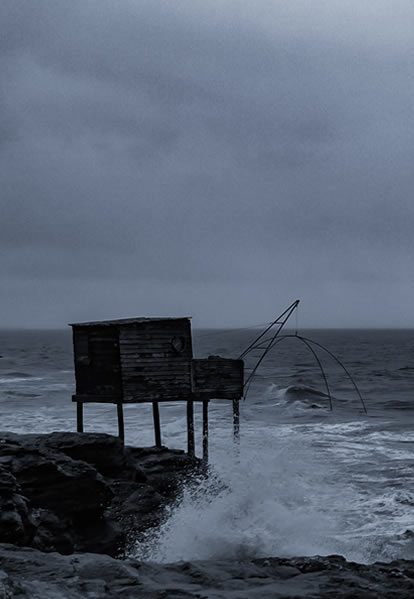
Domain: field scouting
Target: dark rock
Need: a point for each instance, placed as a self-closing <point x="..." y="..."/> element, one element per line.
<point x="84" y="492"/>
<point x="104" y="452"/>
<point x="51" y="532"/>
<point x="100" y="535"/>
<point x="15" y="522"/>
<point x="12" y="523"/>
<point x="65" y="486"/>
<point x="143" y="501"/>
<point x="31" y="574"/>
<point x="165" y="469"/>
<point x="8" y="483"/>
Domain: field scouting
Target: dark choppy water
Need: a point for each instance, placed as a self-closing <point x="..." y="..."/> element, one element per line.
<point x="306" y="480"/>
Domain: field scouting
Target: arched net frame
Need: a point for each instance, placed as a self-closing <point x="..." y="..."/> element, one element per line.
<point x="268" y="344"/>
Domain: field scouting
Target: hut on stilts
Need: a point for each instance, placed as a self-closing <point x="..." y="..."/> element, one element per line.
<point x="140" y="360"/>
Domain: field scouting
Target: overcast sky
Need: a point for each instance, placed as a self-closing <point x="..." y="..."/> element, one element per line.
<point x="213" y="158"/>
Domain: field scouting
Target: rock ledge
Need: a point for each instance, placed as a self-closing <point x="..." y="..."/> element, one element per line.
<point x="71" y="492"/>
<point x="28" y="573"/>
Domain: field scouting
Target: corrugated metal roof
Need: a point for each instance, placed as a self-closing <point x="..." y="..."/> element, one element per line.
<point x="123" y="321"/>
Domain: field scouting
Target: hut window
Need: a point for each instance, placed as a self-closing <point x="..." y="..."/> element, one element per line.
<point x="178" y="344"/>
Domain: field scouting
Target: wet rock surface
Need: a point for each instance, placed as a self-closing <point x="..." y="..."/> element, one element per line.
<point x="71" y="492"/>
<point x="69" y="502"/>
<point x="30" y="573"/>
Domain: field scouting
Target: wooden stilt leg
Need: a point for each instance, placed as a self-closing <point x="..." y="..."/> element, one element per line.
<point x="121" y="429"/>
<point x="190" y="428"/>
<point x="205" y="431"/>
<point x="236" y="420"/>
<point x="79" y="416"/>
<point x="157" y="425"/>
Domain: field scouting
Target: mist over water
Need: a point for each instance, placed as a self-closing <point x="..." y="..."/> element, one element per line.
<point x="303" y="481"/>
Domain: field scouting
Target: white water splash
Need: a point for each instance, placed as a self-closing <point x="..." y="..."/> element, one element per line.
<point x="285" y="495"/>
<point x="267" y="506"/>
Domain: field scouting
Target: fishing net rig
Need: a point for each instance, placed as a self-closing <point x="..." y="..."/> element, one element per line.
<point x="272" y="335"/>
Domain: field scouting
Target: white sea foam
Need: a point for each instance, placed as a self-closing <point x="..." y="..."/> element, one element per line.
<point x="283" y="494"/>
<point x="20" y="379"/>
<point x="275" y="500"/>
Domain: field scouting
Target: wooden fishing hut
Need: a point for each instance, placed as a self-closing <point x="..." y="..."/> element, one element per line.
<point x="140" y="360"/>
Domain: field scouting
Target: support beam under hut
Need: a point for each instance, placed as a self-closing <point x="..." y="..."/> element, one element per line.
<point x="141" y="360"/>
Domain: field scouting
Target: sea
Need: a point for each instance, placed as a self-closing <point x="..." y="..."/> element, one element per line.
<point x="308" y="476"/>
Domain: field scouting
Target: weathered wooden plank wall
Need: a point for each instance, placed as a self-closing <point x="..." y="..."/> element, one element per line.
<point x="218" y="378"/>
<point x="156" y="361"/>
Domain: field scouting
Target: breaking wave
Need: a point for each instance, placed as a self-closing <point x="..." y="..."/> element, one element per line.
<point x="280" y="496"/>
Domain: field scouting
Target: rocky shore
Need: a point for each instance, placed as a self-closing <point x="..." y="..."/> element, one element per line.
<point x="30" y="574"/>
<point x="70" y="492"/>
<point x="72" y="505"/>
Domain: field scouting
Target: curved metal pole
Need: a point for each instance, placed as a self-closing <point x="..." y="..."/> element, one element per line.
<point x="320" y="368"/>
<point x="342" y="366"/>
<point x="251" y="375"/>
<point x="305" y="341"/>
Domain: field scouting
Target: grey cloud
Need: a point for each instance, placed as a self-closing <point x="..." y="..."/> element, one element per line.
<point x="214" y="148"/>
